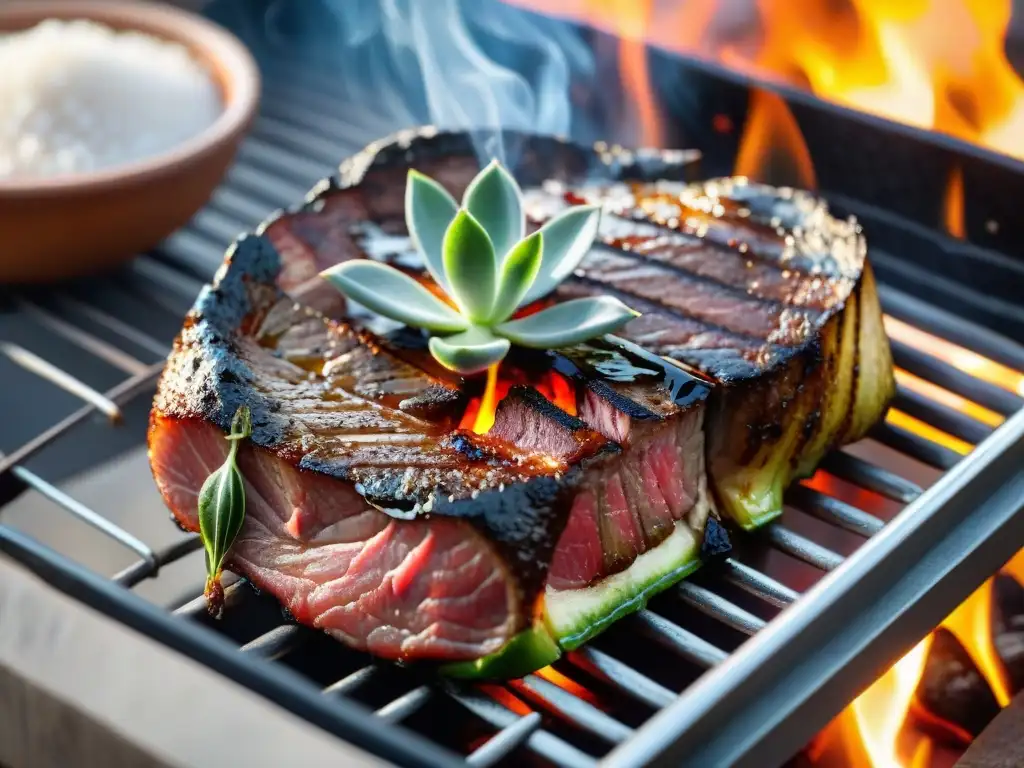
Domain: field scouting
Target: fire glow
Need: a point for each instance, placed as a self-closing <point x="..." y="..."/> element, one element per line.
<point x="479" y="413"/>
<point x="934" y="64"/>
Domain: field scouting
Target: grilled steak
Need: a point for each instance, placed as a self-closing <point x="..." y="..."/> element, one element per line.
<point x="383" y="523"/>
<point x="760" y="288"/>
<point x="374" y="514"/>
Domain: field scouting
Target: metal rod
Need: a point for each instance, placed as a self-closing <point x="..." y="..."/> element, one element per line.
<point x="276" y="682"/>
<point x="754" y="582"/>
<point x="282" y="164"/>
<point x="91" y="344"/>
<point x="351" y="682"/>
<point x="915" y="446"/>
<point x="677" y="639"/>
<point x="263" y="186"/>
<point x="622" y="676"/>
<point x="278" y="642"/>
<point x="717" y="607"/>
<point x="802" y="548"/>
<point x="200" y="253"/>
<point x="940" y="416"/>
<point x="504" y="741"/>
<point x="834" y="511"/>
<point x="234" y="595"/>
<point x="545" y="744"/>
<point x="240" y="206"/>
<point x="296" y="138"/>
<point x="952" y="327"/>
<point x="32" y="363"/>
<point x="143" y="569"/>
<point x="111" y="323"/>
<point x="870" y="476"/>
<point x="86" y="515"/>
<point x="122" y="393"/>
<point x="941" y="373"/>
<point x="579" y="712"/>
<point x="217" y="226"/>
<point x="405" y="705"/>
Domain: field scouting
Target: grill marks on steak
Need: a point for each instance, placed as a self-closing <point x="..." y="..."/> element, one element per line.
<point x="377" y="521"/>
<point x="758" y="287"/>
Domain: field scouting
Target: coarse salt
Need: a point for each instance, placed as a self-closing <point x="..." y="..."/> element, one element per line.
<point x="77" y="96"/>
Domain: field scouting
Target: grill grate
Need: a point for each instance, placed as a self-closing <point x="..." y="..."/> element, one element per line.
<point x="597" y="698"/>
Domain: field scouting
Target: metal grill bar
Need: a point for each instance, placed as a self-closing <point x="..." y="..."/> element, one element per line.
<point x="758" y="584"/>
<point x="924" y="366"/>
<point x="951" y="327"/>
<point x="870" y="477"/>
<point x="677" y="639"/>
<point x="575" y="710"/>
<point x="719" y="608"/>
<point x="539" y="741"/>
<point x="33" y="363"/>
<point x="834" y="511"/>
<point x="277" y="642"/>
<point x="922" y="449"/>
<point x="263" y="677"/>
<point x="941" y="416"/>
<point x="802" y="548"/>
<point x="623" y="676"/>
<point x="349" y="683"/>
<point x="506" y="740"/>
<point x="86" y="515"/>
<point x="403" y="706"/>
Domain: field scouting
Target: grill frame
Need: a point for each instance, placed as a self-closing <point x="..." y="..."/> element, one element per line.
<point x="776" y="680"/>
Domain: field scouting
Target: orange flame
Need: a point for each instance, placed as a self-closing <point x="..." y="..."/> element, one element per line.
<point x="479" y="413"/>
<point x="934" y="64"/>
<point x="772" y="148"/>
<point x="879" y="712"/>
<point x="971" y="622"/>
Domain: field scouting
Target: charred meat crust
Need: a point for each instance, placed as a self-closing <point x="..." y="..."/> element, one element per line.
<point x="208" y="379"/>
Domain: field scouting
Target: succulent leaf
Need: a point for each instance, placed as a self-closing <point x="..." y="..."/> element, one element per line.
<point x="469" y="352"/>
<point x="394" y="294"/>
<point x="470" y="266"/>
<point x="429" y="209"/>
<point x="567" y="238"/>
<point x="495" y="200"/>
<point x="518" y="272"/>
<point x="568" y="323"/>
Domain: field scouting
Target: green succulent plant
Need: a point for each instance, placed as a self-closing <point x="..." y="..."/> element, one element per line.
<point x="478" y="255"/>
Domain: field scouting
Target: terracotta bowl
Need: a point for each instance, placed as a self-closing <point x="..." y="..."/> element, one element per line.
<point x="55" y="227"/>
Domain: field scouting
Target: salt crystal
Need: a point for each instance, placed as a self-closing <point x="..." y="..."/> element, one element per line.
<point x="78" y="96"/>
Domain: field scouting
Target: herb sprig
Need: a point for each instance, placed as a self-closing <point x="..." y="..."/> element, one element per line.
<point x="222" y="511"/>
<point x="477" y="253"/>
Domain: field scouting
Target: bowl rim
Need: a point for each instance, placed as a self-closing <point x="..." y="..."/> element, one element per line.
<point x="239" y="78"/>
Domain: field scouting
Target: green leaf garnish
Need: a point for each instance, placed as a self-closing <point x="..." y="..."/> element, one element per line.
<point x="568" y="323"/>
<point x="469" y="352"/>
<point x="222" y="511"/>
<point x="495" y="201"/>
<point x="567" y="238"/>
<point x="517" y="275"/>
<point x="394" y="294"/>
<point x="471" y="268"/>
<point x="429" y="209"/>
<point x="477" y="254"/>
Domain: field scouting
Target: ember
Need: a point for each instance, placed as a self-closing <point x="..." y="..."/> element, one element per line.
<point x="479" y="413"/>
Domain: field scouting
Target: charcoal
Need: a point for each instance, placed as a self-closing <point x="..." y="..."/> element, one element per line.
<point x="1008" y="628"/>
<point x="953" y="701"/>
